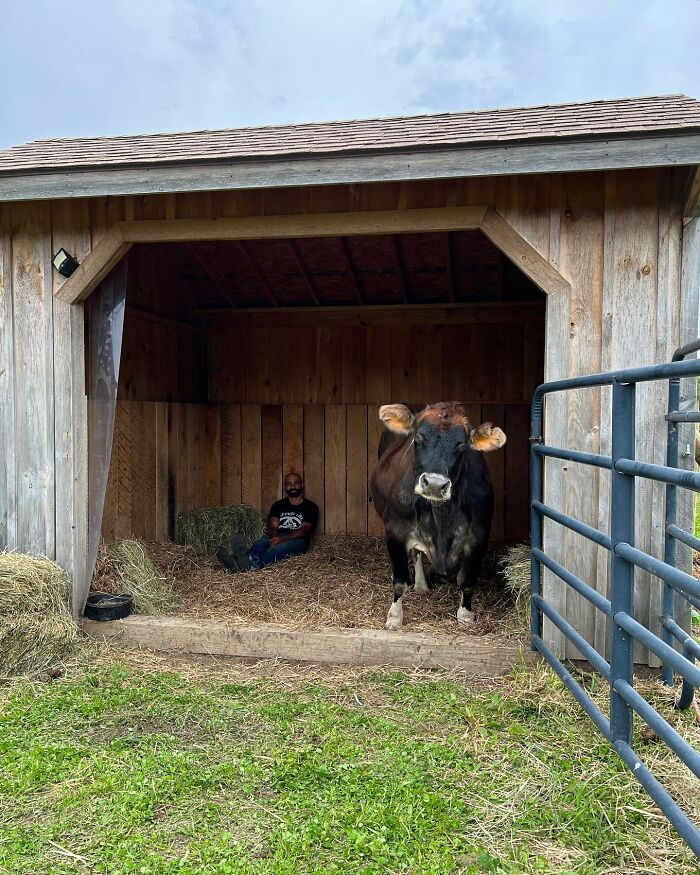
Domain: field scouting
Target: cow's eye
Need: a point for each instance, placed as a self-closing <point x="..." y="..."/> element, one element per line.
<point x="419" y="439"/>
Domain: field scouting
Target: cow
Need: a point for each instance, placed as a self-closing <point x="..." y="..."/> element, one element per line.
<point x="432" y="489"/>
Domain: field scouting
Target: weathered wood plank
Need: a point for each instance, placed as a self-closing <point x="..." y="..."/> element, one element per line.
<point x="251" y="455"/>
<point x="378" y="382"/>
<point x="335" y="464"/>
<point x="231" y="459"/>
<point x="33" y="362"/>
<point x="493" y="413"/>
<point x="516" y="476"/>
<point x="163" y="531"/>
<point x="483" y="655"/>
<point x="356" y="477"/>
<point x="293" y="444"/>
<point x="214" y="462"/>
<point x="148" y="487"/>
<point x="271" y="474"/>
<point x="8" y="474"/>
<point x="375" y="427"/>
<point x="314" y="459"/>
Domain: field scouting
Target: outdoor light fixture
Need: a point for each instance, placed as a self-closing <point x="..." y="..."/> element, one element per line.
<point x="64" y="263"/>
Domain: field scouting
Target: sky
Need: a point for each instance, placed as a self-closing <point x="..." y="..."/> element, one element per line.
<point x="80" y="68"/>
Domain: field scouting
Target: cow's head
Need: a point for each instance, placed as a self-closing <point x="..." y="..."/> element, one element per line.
<point x="442" y="434"/>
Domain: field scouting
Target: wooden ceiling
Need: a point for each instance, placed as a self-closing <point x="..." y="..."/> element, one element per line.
<point x="430" y="268"/>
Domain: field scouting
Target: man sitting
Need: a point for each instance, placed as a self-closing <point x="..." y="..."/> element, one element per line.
<point x="291" y="523"/>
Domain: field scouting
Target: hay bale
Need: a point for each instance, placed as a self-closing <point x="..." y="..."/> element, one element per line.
<point x="515" y="566"/>
<point x="36" y="627"/>
<point x="127" y="567"/>
<point x="206" y="529"/>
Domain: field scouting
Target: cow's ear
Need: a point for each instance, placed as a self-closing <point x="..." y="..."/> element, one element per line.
<point x="397" y="418"/>
<point x="487" y="438"/>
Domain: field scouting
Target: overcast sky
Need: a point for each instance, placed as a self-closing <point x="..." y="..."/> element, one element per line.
<point x="86" y="68"/>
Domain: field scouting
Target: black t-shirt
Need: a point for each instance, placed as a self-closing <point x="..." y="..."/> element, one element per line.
<point x="292" y="516"/>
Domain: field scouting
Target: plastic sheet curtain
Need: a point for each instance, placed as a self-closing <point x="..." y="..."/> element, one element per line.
<point x="105" y="307"/>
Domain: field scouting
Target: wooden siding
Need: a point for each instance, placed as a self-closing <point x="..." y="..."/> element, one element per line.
<point x="171" y="457"/>
<point x="617" y="237"/>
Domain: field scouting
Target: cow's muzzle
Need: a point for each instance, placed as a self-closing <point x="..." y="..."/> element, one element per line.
<point x="434" y="487"/>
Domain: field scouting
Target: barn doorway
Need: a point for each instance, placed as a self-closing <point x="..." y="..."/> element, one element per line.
<point x="244" y="359"/>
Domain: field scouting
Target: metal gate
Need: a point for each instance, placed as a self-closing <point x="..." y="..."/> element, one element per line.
<point x="677" y="650"/>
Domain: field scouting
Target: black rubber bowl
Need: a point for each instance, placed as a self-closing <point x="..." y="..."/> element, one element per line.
<point x="107" y="606"/>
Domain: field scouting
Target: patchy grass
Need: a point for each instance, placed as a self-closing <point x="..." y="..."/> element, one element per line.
<point x="125" y="769"/>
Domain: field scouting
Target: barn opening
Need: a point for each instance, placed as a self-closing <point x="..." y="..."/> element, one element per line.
<point x="242" y="360"/>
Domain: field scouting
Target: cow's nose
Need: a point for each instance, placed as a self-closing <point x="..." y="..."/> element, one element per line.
<point x="434" y="486"/>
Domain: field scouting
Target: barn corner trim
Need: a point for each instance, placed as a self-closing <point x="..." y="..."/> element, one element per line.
<point x="124" y="234"/>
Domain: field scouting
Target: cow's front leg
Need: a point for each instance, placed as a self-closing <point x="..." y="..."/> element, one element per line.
<point x="400" y="578"/>
<point x="468" y="578"/>
<point x="420" y="585"/>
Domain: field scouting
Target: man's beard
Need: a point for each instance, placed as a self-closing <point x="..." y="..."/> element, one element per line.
<point x="293" y="493"/>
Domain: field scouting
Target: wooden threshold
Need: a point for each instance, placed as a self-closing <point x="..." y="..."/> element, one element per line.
<point x="483" y="655"/>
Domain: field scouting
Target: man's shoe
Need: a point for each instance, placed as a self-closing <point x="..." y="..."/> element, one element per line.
<point x="226" y="560"/>
<point x="239" y="552"/>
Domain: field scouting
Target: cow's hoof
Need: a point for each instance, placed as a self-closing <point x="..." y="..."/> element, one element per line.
<point x="394" y="619"/>
<point x="465" y="617"/>
<point x="421" y="588"/>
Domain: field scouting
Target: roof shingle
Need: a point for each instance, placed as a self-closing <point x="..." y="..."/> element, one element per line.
<point x="613" y="118"/>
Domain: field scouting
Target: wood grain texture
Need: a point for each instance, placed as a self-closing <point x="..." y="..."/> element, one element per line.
<point x="356" y="462"/>
<point x="251" y="455"/>
<point x="8" y="474"/>
<point x="271" y="471"/>
<point x="335" y="468"/>
<point x="315" y="459"/>
<point x="231" y="454"/>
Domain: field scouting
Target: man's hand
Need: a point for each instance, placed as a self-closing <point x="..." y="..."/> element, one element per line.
<point x="275" y="541"/>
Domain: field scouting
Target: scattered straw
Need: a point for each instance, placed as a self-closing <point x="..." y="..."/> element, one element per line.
<point x="127" y="567"/>
<point x="205" y="529"/>
<point x="342" y="582"/>
<point x="36" y="628"/>
<point x="515" y="566"/>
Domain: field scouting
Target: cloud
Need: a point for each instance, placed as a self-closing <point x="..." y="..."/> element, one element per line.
<point x="88" y="68"/>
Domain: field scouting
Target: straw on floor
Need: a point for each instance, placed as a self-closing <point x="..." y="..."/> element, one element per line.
<point x="342" y="582"/>
<point x="127" y="567"/>
<point x="36" y="628"/>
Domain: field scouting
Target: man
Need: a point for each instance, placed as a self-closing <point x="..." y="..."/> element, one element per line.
<point x="291" y="523"/>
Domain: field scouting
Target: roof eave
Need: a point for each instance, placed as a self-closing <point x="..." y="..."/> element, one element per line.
<point x="544" y="155"/>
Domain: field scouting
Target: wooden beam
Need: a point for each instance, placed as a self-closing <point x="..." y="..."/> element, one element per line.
<point x="257" y="270"/>
<point x="123" y="235"/>
<point x="95" y="267"/>
<point x="574" y="155"/>
<point x="384" y="314"/>
<point x="483" y="655"/>
<point x="301" y="267"/>
<point x="164" y="320"/>
<point x="212" y="271"/>
<point x="691" y="196"/>
<point x="400" y="268"/>
<point x="522" y="254"/>
<point x="352" y="270"/>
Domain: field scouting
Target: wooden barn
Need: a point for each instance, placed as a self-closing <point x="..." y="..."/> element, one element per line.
<point x="250" y="297"/>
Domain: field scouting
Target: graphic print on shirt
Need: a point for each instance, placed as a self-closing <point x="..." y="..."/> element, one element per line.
<point x="290" y="520"/>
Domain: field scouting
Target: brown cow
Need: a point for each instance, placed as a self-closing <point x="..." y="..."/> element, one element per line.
<point x="432" y="489"/>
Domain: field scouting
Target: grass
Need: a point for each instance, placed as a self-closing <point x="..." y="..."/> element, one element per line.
<point x="135" y="770"/>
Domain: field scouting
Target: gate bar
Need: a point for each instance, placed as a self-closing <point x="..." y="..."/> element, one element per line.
<point x="678" y="579"/>
<point x="688" y="643"/>
<point x="573" y="686"/>
<point x="591" y="654"/>
<point x="574" y="582"/>
<point x="675" y="476"/>
<point x="682" y="536"/>
<point x="685" y="827"/>
<point x="657" y="646"/>
<point x="575" y="525"/>
<point x="573" y="455"/>
<point x="664" y="730"/>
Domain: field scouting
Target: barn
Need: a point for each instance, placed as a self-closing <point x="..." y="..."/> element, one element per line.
<point x="246" y="299"/>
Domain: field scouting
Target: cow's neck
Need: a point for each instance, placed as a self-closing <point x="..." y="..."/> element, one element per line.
<point x="437" y="526"/>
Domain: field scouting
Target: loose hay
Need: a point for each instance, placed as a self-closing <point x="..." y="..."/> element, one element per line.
<point x="205" y="529"/>
<point x="127" y="567"/>
<point x="344" y="581"/>
<point x="515" y="566"/>
<point x="36" y="628"/>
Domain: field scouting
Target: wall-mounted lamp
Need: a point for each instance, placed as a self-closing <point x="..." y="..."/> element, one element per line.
<point x="64" y="263"/>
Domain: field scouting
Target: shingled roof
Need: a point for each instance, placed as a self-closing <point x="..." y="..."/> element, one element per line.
<point x="600" y="119"/>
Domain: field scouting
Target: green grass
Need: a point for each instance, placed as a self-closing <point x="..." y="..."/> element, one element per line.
<point x="158" y="773"/>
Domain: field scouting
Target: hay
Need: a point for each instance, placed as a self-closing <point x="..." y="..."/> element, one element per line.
<point x="127" y="568"/>
<point x="342" y="582"/>
<point x="205" y="529"/>
<point x="36" y="628"/>
<point x="515" y="567"/>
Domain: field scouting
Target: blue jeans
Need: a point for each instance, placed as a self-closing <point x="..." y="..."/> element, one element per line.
<point x="261" y="553"/>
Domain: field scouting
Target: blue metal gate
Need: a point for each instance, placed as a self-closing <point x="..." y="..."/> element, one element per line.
<point x="677" y="650"/>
